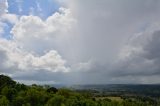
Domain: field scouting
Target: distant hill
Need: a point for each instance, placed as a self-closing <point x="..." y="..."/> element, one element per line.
<point x="152" y="90"/>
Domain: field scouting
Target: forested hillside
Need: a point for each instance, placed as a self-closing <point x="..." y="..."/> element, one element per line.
<point x="16" y="94"/>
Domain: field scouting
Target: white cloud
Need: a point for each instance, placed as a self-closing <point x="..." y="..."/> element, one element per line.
<point x="11" y="18"/>
<point x="4" y="15"/>
<point x="34" y="25"/>
<point x="32" y="30"/>
<point x="19" y="59"/>
<point x="3" y="10"/>
<point x="24" y="55"/>
<point x="3" y="7"/>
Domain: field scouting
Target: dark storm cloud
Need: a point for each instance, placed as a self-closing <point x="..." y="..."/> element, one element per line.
<point x="143" y="62"/>
<point x="152" y="49"/>
<point x="105" y="26"/>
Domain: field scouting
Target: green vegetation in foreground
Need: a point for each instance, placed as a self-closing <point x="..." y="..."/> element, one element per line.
<point x="15" y="94"/>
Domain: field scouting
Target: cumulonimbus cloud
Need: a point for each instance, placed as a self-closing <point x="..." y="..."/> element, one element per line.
<point x="95" y="42"/>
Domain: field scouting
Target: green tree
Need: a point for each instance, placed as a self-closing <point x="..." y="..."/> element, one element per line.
<point x="19" y="101"/>
<point x="36" y="96"/>
<point x="10" y="93"/>
<point x="57" y="100"/>
<point x="6" y="81"/>
<point x="4" y="101"/>
<point x="64" y="92"/>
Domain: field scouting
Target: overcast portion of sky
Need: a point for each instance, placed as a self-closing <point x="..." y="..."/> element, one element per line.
<point x="80" y="42"/>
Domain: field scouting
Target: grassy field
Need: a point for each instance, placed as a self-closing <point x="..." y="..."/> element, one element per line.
<point x="119" y="99"/>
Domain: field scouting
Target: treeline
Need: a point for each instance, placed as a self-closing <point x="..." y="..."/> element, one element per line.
<point x="16" y="94"/>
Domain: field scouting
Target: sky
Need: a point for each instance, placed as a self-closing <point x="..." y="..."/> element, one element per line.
<point x="77" y="42"/>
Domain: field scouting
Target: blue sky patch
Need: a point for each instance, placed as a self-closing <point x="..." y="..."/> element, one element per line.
<point x="7" y="28"/>
<point x="41" y="8"/>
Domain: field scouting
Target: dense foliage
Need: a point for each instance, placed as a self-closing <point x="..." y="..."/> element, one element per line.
<point x="15" y="94"/>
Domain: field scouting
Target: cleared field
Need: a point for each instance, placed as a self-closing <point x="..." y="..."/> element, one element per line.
<point x="119" y="99"/>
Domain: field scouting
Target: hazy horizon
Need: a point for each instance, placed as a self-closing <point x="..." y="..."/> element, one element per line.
<point x="80" y="42"/>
